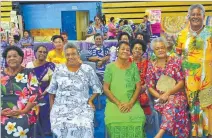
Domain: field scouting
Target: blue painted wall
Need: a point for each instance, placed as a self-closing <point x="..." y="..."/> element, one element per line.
<point x="49" y="15"/>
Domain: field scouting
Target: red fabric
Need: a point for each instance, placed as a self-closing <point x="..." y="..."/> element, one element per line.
<point x="143" y="97"/>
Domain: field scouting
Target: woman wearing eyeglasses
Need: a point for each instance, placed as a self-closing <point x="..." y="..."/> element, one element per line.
<point x="43" y="71"/>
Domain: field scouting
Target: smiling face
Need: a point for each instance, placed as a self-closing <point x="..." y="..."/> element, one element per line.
<point x="41" y="54"/>
<point x="26" y="34"/>
<point x="124" y="51"/>
<point x="125" y="38"/>
<point x="160" y="50"/>
<point x="140" y="37"/>
<point x="98" y="41"/>
<point x="196" y="18"/>
<point x="72" y="56"/>
<point x="58" y="43"/>
<point x="137" y="50"/>
<point x="13" y="59"/>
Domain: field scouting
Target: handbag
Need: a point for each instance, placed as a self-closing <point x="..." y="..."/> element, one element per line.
<point x="165" y="83"/>
<point x="205" y="97"/>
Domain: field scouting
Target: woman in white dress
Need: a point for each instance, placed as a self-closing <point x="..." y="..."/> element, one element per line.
<point x="72" y="109"/>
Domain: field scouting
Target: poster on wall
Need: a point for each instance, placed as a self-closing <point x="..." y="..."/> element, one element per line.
<point x="155" y="20"/>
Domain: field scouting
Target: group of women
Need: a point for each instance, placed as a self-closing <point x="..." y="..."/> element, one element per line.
<point x="65" y="87"/>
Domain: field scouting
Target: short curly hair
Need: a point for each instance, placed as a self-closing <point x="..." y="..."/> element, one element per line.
<point x="141" y="42"/>
<point x="123" y="33"/>
<point x="15" y="48"/>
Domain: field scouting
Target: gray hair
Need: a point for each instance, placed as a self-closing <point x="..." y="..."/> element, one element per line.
<point x="196" y="6"/>
<point x="71" y="45"/>
<point x="158" y="39"/>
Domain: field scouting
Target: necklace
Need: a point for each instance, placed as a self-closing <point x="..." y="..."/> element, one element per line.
<point x="13" y="73"/>
<point x="165" y="62"/>
<point x="194" y="33"/>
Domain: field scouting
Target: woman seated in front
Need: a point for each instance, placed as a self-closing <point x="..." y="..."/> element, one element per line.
<point x="124" y="118"/>
<point x="171" y="101"/>
<point x="72" y="109"/>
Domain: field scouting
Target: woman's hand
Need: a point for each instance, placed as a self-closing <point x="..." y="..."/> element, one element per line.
<point x="16" y="112"/>
<point x="125" y="107"/>
<point x="99" y="64"/>
<point x="164" y="97"/>
<point x="5" y="112"/>
<point x="44" y="93"/>
<point x="91" y="104"/>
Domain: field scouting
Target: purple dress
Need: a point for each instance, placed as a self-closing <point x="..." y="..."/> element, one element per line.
<point x="43" y="74"/>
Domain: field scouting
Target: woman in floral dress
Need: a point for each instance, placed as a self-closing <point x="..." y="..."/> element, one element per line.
<point x="172" y="104"/>
<point x="138" y="49"/>
<point x="194" y="45"/>
<point x="20" y="95"/>
<point x="72" y="108"/>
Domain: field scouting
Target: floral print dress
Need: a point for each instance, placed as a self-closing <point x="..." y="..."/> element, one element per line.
<point x="16" y="92"/>
<point x="174" y="112"/>
<point x="71" y="116"/>
<point x="196" y="52"/>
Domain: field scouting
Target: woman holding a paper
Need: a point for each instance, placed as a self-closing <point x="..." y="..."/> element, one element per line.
<point x="165" y="81"/>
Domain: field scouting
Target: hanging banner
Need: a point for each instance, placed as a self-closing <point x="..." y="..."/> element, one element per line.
<point x="155" y="20"/>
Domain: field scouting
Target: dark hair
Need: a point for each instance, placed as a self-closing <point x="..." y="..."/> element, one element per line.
<point x="123" y="33"/>
<point x="97" y="34"/>
<point x="90" y="22"/>
<point x="16" y="37"/>
<point x="39" y="46"/>
<point x="125" y="22"/>
<point x="103" y="20"/>
<point x="27" y="31"/>
<point x="120" y="43"/>
<point x="57" y="36"/>
<point x="138" y="34"/>
<point x="111" y="19"/>
<point x="141" y="42"/>
<point x="120" y="21"/>
<point x="98" y="17"/>
<point x="64" y="33"/>
<point x="15" y="48"/>
<point x="146" y="16"/>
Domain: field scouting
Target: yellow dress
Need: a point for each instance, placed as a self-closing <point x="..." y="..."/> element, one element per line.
<point x="196" y="52"/>
<point x="55" y="58"/>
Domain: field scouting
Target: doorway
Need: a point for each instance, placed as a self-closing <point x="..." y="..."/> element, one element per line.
<point x="75" y="23"/>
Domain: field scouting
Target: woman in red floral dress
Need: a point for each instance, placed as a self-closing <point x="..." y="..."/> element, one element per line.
<point x="138" y="49"/>
<point x="172" y="103"/>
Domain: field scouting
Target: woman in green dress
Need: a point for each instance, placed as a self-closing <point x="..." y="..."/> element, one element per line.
<point x="124" y="118"/>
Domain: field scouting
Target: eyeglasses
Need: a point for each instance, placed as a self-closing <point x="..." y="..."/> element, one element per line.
<point x="44" y="52"/>
<point x="198" y="15"/>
